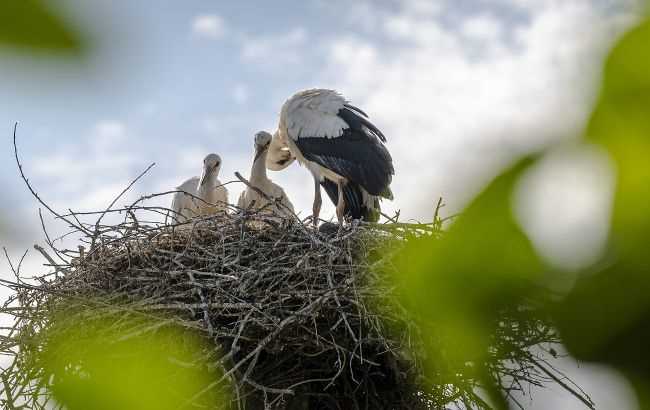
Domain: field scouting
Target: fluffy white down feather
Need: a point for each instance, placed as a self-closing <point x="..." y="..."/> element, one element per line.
<point x="186" y="207"/>
<point x="216" y="198"/>
<point x="271" y="189"/>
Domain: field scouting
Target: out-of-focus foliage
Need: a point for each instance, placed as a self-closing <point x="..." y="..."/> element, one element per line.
<point x="137" y="366"/>
<point x="485" y="264"/>
<point x="606" y="318"/>
<point x="463" y="283"/>
<point x="34" y="25"/>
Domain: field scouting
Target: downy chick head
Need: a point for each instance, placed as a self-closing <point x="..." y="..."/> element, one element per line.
<point x="211" y="167"/>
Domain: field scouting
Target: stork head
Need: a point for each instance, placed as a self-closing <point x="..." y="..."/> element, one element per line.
<point x="262" y="139"/>
<point x="211" y="167"/>
<point x="212" y="161"/>
<point x="280" y="156"/>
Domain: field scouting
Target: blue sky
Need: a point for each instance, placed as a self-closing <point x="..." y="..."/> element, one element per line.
<point x="460" y="88"/>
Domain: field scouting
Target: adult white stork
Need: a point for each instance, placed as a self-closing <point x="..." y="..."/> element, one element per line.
<point x="213" y="196"/>
<point x="342" y="149"/>
<point x="260" y="180"/>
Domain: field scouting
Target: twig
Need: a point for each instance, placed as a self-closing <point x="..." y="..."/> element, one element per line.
<point x="586" y="400"/>
<point x="31" y="189"/>
<point x="46" y="256"/>
<point x="101" y="216"/>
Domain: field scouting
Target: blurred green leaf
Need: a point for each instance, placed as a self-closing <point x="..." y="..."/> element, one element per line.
<point x="33" y="24"/>
<point x="461" y="283"/>
<point x="132" y="365"/>
<point x="606" y="318"/>
<point x="621" y="124"/>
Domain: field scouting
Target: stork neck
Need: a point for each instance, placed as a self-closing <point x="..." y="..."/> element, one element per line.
<point x="258" y="171"/>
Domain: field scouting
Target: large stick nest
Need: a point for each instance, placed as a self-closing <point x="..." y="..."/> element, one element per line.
<point x="292" y="314"/>
<point x="288" y="309"/>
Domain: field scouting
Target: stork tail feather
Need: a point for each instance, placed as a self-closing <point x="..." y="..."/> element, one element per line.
<point x="358" y="204"/>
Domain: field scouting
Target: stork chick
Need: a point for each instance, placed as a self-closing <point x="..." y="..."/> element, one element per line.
<point x="213" y="197"/>
<point x="259" y="180"/>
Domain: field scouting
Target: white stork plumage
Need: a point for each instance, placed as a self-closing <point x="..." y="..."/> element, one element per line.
<point x="342" y="149"/>
<point x="213" y="196"/>
<point x="260" y="180"/>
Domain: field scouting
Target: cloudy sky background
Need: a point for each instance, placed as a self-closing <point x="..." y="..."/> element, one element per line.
<point x="460" y="87"/>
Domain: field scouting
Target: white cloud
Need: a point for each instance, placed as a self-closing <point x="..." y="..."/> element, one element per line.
<point x="107" y="135"/>
<point x="423" y="7"/>
<point x="79" y="176"/>
<point x="276" y="49"/>
<point x="99" y="197"/>
<point x="485" y="28"/>
<point x="109" y="129"/>
<point x="209" y="25"/>
<point x="453" y="112"/>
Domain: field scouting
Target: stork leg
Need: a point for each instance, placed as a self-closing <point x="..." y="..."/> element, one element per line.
<point x="318" y="201"/>
<point x="340" y="206"/>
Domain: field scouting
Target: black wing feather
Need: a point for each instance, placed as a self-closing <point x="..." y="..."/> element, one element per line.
<point x="357" y="122"/>
<point x="357" y="109"/>
<point x="358" y="155"/>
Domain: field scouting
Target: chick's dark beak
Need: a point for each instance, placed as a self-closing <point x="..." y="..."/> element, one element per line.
<point x="204" y="175"/>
